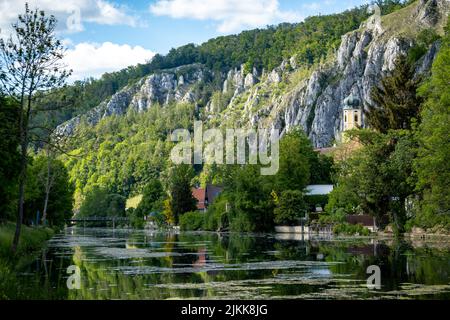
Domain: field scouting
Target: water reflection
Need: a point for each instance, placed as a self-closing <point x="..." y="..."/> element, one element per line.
<point x="126" y="264"/>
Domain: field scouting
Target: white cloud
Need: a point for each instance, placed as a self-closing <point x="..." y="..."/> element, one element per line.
<point x="312" y="6"/>
<point x="70" y="13"/>
<point x="92" y="60"/>
<point x="232" y="15"/>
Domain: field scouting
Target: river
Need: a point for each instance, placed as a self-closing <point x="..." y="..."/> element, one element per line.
<point x="140" y="264"/>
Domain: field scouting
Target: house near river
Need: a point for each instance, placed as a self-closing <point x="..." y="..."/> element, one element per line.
<point x="206" y="196"/>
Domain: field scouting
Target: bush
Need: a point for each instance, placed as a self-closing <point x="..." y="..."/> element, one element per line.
<point x="193" y="220"/>
<point x="427" y="219"/>
<point x="136" y="221"/>
<point x="240" y="222"/>
<point x="351" y="229"/>
<point x="8" y="281"/>
<point x="217" y="218"/>
<point x="338" y="216"/>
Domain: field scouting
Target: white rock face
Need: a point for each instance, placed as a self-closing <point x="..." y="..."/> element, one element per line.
<point x="363" y="58"/>
<point x="249" y="81"/>
<point x="162" y="88"/>
<point x="274" y="76"/>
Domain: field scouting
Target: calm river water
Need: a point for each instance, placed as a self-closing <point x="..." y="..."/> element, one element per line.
<point x="130" y="264"/>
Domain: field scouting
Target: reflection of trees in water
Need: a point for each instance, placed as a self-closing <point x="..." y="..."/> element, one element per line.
<point x="32" y="277"/>
<point x="399" y="262"/>
<point x="103" y="278"/>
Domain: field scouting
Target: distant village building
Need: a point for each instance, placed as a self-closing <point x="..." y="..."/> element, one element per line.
<point x="206" y="196"/>
<point x="199" y="194"/>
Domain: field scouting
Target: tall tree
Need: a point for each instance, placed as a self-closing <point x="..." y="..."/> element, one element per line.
<point x="396" y="102"/>
<point x="180" y="190"/>
<point x="9" y="155"/>
<point x="31" y="62"/>
<point x="432" y="164"/>
<point x="151" y="198"/>
<point x="296" y="157"/>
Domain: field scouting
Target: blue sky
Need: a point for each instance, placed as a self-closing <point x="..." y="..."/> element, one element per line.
<point x="108" y="35"/>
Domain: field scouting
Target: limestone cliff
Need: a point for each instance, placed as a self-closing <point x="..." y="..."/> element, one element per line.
<point x="291" y="94"/>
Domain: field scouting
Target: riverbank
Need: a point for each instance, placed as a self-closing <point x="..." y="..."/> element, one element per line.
<point x="31" y="239"/>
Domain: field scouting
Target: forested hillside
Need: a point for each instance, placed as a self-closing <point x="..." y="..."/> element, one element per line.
<point x="310" y="41"/>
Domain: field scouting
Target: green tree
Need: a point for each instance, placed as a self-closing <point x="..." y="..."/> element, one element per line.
<point x="180" y="190"/>
<point x="290" y="206"/>
<point x="59" y="202"/>
<point x="9" y="156"/>
<point x="29" y="63"/>
<point x="151" y="198"/>
<point x="396" y="102"/>
<point x="100" y="203"/>
<point x="248" y="195"/>
<point x="322" y="169"/>
<point x="432" y="163"/>
<point x="376" y="179"/>
<point x="296" y="153"/>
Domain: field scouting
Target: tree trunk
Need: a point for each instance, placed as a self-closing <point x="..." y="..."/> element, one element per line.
<point x="24" y="120"/>
<point x="48" y="186"/>
<point x="22" y="180"/>
<point x="44" y="212"/>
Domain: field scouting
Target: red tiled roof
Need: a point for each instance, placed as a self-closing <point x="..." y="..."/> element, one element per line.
<point x="199" y="194"/>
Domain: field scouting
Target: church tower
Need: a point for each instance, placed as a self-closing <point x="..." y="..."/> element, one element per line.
<point x="352" y="114"/>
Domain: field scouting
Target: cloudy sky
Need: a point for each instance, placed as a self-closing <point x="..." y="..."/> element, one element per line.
<point x="108" y="35"/>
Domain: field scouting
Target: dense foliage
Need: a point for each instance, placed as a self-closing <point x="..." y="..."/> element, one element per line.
<point x="100" y="203"/>
<point x="255" y="203"/>
<point x="151" y="199"/>
<point x="179" y="187"/>
<point x="402" y="171"/>
<point x="433" y="162"/>
<point x="396" y="102"/>
<point x="290" y="206"/>
<point x="60" y="202"/>
<point x="9" y="157"/>
<point x="123" y="154"/>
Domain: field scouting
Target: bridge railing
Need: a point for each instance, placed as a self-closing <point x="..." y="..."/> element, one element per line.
<point x="91" y="219"/>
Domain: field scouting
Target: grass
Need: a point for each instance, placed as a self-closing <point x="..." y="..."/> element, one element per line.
<point x="31" y="239"/>
<point x="394" y="23"/>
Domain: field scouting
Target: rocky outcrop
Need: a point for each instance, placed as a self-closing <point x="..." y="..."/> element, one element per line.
<point x="173" y="85"/>
<point x="313" y="101"/>
<point x="363" y="58"/>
